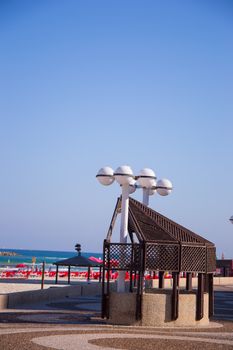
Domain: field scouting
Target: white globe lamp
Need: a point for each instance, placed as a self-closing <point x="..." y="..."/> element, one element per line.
<point x="146" y="178"/>
<point x="164" y="187"/>
<point x="132" y="186"/>
<point x="152" y="191"/>
<point x="105" y="176"/>
<point x="123" y="175"/>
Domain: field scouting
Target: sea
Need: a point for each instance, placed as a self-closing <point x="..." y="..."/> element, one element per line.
<point x="28" y="257"/>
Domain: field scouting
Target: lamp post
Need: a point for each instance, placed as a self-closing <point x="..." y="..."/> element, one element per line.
<point x="125" y="178"/>
<point x="146" y="180"/>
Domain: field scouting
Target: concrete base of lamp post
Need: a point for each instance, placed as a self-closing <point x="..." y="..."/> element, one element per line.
<point x="156" y="309"/>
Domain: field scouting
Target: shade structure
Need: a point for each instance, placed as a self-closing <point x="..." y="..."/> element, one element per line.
<point x="78" y="261"/>
<point x="159" y="244"/>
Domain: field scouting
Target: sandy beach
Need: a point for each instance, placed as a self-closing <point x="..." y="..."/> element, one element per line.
<point x="13" y="287"/>
<point x="22" y="285"/>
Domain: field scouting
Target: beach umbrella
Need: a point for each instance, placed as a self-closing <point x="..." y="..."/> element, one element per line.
<point x="21" y="265"/>
<point x="98" y="260"/>
<point x="113" y="262"/>
<point x="78" y="261"/>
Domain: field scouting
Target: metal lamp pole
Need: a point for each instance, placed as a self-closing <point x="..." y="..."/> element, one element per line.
<point x="124" y="176"/>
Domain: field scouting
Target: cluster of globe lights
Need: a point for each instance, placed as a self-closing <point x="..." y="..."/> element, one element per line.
<point x="145" y="180"/>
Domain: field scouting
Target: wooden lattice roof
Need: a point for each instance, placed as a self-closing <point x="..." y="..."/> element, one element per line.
<point x="164" y="244"/>
<point x="151" y="226"/>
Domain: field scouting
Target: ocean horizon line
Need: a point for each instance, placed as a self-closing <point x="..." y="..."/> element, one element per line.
<point x="47" y="250"/>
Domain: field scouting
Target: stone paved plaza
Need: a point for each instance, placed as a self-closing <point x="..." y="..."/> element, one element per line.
<point x="75" y="323"/>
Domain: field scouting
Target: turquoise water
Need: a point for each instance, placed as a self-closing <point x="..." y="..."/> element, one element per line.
<point x="48" y="256"/>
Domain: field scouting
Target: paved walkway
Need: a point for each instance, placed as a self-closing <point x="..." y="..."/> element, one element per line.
<point x="75" y="323"/>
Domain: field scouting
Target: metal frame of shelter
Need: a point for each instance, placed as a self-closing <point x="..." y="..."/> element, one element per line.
<point x="158" y="244"/>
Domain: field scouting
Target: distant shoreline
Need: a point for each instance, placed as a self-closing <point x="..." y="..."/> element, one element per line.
<point x="23" y="256"/>
<point x="6" y="253"/>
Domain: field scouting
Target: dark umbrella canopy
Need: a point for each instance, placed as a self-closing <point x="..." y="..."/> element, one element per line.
<point x="77" y="260"/>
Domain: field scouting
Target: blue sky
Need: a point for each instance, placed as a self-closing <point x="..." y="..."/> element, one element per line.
<point x="86" y="84"/>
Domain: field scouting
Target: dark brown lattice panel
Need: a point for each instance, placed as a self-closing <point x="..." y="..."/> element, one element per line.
<point x="193" y="259"/>
<point x="211" y="259"/>
<point x="123" y="256"/>
<point x="162" y="257"/>
<point x="166" y="225"/>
